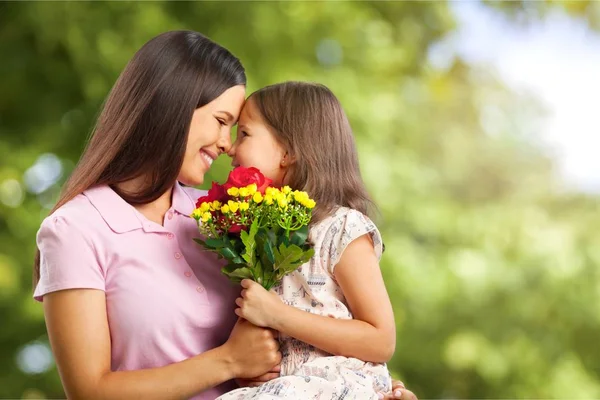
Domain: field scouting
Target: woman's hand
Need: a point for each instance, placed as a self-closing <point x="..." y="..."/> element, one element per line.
<point x="398" y="392"/>
<point x="258" y="305"/>
<point x="252" y="351"/>
<point x="259" y="380"/>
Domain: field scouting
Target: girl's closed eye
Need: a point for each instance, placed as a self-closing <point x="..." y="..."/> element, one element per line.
<point x="242" y="133"/>
<point x="221" y="122"/>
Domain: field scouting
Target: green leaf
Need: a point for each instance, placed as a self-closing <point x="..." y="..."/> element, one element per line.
<point x="237" y="272"/>
<point x="282" y="239"/>
<point x="248" y="238"/>
<point x="238" y="245"/>
<point x="214" y="243"/>
<point x="268" y="249"/>
<point x="258" y="272"/>
<point x="202" y="243"/>
<point x="289" y="258"/>
<point x="228" y="253"/>
<point x="299" y="237"/>
<point x="273" y="234"/>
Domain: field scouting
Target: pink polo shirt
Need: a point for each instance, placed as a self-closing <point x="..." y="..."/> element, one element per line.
<point x="166" y="299"/>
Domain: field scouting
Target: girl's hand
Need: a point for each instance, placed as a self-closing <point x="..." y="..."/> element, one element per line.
<point x="258" y="305"/>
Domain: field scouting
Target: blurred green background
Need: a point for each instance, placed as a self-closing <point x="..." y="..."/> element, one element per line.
<point x="491" y="263"/>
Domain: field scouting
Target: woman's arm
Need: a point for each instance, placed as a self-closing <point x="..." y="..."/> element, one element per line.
<point x="80" y="339"/>
<point x="371" y="336"/>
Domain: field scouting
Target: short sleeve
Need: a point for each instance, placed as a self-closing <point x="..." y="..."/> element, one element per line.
<point x="347" y="225"/>
<point x="68" y="259"/>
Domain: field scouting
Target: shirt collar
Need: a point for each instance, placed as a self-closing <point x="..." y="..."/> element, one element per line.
<point x="182" y="202"/>
<point x="122" y="216"/>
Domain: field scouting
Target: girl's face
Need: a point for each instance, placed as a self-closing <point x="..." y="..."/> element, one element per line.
<point x="210" y="134"/>
<point x="256" y="146"/>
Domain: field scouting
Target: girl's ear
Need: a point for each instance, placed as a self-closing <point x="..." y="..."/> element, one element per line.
<point x="287" y="160"/>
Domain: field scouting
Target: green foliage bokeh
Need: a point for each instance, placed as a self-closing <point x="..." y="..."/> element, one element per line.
<point x="492" y="268"/>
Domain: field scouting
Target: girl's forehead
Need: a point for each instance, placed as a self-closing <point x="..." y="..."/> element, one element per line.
<point x="248" y="110"/>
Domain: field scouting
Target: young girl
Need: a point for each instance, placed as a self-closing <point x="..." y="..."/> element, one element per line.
<point x="333" y="314"/>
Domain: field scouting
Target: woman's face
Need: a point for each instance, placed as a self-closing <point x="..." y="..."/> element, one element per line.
<point x="256" y="146"/>
<point x="210" y="134"/>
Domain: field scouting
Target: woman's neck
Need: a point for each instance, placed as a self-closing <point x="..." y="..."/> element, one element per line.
<point x="154" y="211"/>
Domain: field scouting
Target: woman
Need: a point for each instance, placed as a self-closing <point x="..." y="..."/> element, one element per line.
<point x="132" y="306"/>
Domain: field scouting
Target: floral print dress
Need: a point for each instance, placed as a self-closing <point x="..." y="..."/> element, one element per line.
<point x="307" y="372"/>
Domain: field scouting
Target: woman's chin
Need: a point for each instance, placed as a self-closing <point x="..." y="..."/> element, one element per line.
<point x="195" y="180"/>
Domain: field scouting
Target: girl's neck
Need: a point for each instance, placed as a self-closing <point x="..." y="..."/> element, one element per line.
<point x="154" y="211"/>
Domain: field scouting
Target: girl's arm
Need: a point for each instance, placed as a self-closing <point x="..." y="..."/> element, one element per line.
<point x="80" y="339"/>
<point x="370" y="336"/>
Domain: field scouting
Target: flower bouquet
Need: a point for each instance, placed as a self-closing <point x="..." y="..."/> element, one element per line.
<point x="262" y="231"/>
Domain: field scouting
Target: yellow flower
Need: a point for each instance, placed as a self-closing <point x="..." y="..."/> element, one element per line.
<point x="233" y="191"/>
<point x="300" y="196"/>
<point x="268" y="199"/>
<point x="225" y="209"/>
<point x="206" y="217"/>
<point x="216" y="205"/>
<point x="204" y="207"/>
<point x="252" y="188"/>
<point x="286" y="189"/>
<point x="280" y="196"/>
<point x="244" y="206"/>
<point x="196" y="214"/>
<point x="244" y="192"/>
<point x="272" y="191"/>
<point x="282" y="201"/>
<point x="257" y="197"/>
<point x="310" y="204"/>
<point x="233" y="206"/>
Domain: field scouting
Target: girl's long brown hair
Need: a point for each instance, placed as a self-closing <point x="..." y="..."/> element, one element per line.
<point x="310" y="123"/>
<point x="143" y="127"/>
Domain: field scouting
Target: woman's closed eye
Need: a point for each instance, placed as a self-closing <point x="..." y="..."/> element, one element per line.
<point x="222" y="122"/>
<point x="242" y="133"/>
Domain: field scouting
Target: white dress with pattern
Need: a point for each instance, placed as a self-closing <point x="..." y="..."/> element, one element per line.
<point x="307" y="372"/>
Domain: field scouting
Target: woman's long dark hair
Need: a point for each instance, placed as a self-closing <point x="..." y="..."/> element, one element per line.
<point x="143" y="127"/>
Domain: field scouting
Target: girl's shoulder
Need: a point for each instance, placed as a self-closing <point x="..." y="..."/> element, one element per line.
<point x="333" y="234"/>
<point x="345" y="217"/>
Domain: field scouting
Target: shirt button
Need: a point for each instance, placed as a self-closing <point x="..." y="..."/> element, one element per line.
<point x="178" y="255"/>
<point x="170" y="215"/>
<point x="170" y="236"/>
<point x="199" y="289"/>
<point x="188" y="273"/>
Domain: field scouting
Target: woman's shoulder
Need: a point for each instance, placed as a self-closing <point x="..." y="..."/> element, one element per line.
<point x="78" y="211"/>
<point x="98" y="209"/>
<point x="194" y="193"/>
<point x="71" y="226"/>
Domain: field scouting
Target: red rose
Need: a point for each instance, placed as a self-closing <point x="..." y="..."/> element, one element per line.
<point x="242" y="177"/>
<point x="235" y="228"/>
<point x="216" y="192"/>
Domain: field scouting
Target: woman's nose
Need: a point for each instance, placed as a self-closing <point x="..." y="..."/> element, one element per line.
<point x="224" y="143"/>
<point x="231" y="152"/>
